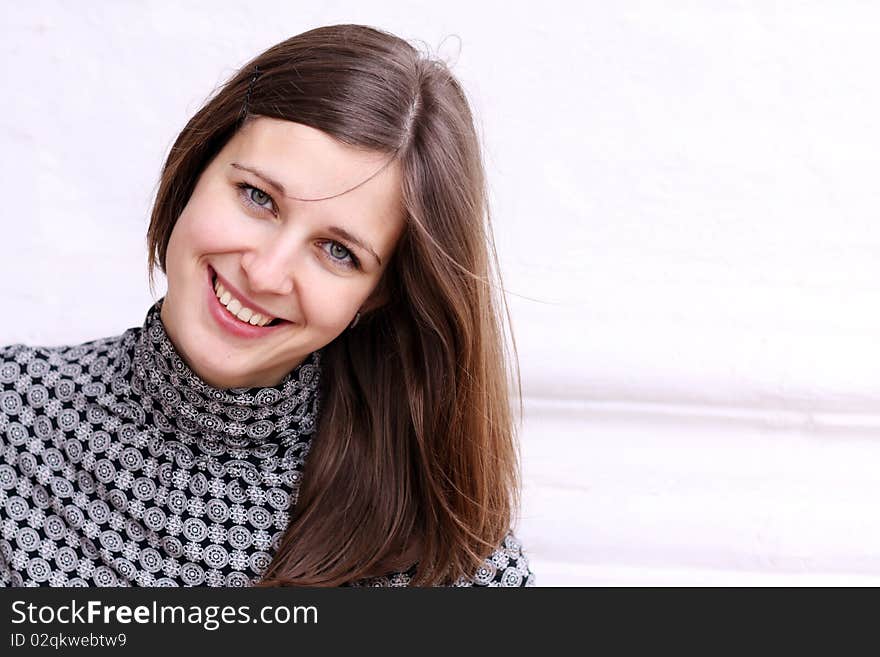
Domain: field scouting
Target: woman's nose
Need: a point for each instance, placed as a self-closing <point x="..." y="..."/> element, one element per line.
<point x="269" y="267"/>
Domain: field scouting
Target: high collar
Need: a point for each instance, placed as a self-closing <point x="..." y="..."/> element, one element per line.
<point x="184" y="404"/>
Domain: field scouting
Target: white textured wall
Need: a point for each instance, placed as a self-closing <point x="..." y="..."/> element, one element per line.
<point x="686" y="212"/>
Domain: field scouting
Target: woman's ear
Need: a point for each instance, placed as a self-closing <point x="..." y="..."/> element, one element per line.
<point x="377" y="299"/>
<point x="379" y="296"/>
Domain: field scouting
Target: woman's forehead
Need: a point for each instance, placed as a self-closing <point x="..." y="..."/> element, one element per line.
<point x="304" y="163"/>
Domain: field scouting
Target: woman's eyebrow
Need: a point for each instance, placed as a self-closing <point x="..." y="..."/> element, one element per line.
<point x="340" y="232"/>
<point x="344" y="234"/>
<point x="259" y="174"/>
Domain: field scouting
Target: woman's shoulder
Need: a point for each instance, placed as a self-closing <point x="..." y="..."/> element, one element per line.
<point x="508" y="565"/>
<point x="19" y="359"/>
<point x="14" y="359"/>
<point x="65" y="352"/>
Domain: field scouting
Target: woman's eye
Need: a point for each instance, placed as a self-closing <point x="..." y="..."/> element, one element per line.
<point x="340" y="255"/>
<point x="259" y="197"/>
<point x="256" y="197"/>
<point x="338" y="251"/>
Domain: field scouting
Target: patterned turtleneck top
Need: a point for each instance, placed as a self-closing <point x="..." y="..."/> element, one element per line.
<point x="119" y="466"/>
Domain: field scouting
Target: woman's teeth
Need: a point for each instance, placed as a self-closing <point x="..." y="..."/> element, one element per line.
<point x="234" y="306"/>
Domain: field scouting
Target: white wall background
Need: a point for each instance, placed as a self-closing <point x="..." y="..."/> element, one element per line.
<point x="687" y="216"/>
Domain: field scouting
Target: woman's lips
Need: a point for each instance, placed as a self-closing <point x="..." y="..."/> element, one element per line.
<point x="229" y="324"/>
<point x="234" y="291"/>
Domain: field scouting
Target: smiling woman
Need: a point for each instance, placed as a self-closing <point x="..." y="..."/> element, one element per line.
<point x="322" y="396"/>
<point x="271" y="257"/>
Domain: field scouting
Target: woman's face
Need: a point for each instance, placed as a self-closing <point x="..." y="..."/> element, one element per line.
<point x="297" y="261"/>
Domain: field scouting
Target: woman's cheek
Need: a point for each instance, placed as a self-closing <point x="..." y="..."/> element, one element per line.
<point x="329" y="303"/>
<point x="218" y="228"/>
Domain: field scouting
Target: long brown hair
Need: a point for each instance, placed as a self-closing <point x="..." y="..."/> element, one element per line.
<point x="416" y="458"/>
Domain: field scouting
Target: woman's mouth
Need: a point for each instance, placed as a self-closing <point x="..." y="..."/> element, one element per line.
<point x="239" y="311"/>
<point x="234" y="315"/>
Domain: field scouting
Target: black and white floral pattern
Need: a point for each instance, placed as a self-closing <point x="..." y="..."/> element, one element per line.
<point x="119" y="466"/>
